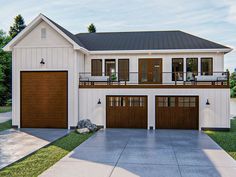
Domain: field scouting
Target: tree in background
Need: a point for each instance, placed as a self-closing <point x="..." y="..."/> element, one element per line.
<point x="233" y="84"/>
<point x="91" y="28"/>
<point x="5" y="70"/>
<point x="18" y="26"/>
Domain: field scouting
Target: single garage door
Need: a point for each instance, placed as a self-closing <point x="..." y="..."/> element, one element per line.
<point x="126" y="112"/>
<point x="177" y="112"/>
<point x="44" y="99"/>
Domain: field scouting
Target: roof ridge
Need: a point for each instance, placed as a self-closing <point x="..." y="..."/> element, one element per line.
<point x="129" y="32"/>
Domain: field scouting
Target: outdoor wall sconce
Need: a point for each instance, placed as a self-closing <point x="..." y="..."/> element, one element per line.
<point x="99" y="101"/>
<point x="207" y="103"/>
<point x="42" y="62"/>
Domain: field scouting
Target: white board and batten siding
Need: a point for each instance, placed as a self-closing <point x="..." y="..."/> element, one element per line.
<point x="215" y="115"/>
<point x="218" y="62"/>
<point x="58" y="55"/>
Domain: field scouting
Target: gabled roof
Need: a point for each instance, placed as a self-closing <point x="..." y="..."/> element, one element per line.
<point x="66" y="34"/>
<point x="145" y="40"/>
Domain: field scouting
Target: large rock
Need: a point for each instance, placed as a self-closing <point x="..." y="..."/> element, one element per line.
<point x="86" y="123"/>
<point x="83" y="130"/>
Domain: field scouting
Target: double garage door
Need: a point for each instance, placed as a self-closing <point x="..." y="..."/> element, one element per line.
<point x="172" y="112"/>
<point x="44" y="99"/>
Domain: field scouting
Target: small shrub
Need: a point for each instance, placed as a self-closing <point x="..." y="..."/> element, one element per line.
<point x="9" y="102"/>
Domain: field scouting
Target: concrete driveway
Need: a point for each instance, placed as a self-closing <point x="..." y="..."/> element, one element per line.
<point x="16" y="144"/>
<point x="133" y="153"/>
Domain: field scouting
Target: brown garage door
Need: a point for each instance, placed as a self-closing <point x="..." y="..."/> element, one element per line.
<point x="44" y="99"/>
<point x="177" y="112"/>
<point x="126" y="112"/>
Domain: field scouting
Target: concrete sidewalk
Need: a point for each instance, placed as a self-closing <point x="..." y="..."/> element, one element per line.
<point x="16" y="144"/>
<point x="5" y="116"/>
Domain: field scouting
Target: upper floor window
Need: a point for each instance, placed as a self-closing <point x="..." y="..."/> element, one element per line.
<point x="206" y="66"/>
<point x="110" y="67"/>
<point x="191" y="68"/>
<point x="177" y="69"/>
<point x="43" y="33"/>
<point x="96" y="67"/>
<point x="123" y="69"/>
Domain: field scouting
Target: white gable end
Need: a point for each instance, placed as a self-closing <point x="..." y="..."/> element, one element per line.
<point x="34" y="38"/>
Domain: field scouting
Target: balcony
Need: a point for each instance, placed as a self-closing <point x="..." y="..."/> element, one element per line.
<point x="155" y="80"/>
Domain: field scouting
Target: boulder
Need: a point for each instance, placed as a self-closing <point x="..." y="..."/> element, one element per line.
<point x="83" y="130"/>
<point x="86" y="123"/>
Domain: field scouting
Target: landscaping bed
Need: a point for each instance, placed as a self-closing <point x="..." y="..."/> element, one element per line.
<point x="227" y="140"/>
<point x="42" y="159"/>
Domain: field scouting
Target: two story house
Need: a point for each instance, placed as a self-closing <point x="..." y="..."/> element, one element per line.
<point x="146" y="79"/>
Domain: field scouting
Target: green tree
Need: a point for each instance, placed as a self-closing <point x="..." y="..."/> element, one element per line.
<point x="18" y="26"/>
<point x="91" y="28"/>
<point x="5" y="70"/>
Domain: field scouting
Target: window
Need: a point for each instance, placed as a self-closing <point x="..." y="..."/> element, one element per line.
<point x="136" y="101"/>
<point x="123" y="69"/>
<point x="177" y="69"/>
<point x="116" y="101"/>
<point x="110" y="67"/>
<point x="191" y="68"/>
<point x="96" y="67"/>
<point x="206" y="66"/>
<point x="187" y="101"/>
<point x="126" y="101"/>
<point x="43" y="33"/>
<point x="166" y="101"/>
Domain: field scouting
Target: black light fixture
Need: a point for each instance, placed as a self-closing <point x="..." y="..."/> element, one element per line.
<point x="99" y="101"/>
<point x="42" y="62"/>
<point x="207" y="103"/>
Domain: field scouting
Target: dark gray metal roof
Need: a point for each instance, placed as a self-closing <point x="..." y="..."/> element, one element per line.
<point x="143" y="40"/>
<point x="148" y="40"/>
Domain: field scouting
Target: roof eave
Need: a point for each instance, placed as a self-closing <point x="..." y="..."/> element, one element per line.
<point x="220" y="50"/>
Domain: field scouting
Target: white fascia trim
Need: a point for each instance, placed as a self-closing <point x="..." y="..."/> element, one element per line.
<point x="18" y="37"/>
<point x="161" y="51"/>
<point x="34" y="23"/>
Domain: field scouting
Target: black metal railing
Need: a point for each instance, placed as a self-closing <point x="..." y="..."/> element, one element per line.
<point x="163" y="78"/>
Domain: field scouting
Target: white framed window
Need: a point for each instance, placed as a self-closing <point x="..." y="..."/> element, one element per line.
<point x="43" y="33"/>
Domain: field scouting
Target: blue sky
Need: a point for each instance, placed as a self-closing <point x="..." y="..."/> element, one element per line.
<point x="211" y="19"/>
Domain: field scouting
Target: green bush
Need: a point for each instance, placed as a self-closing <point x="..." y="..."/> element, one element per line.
<point x="232" y="94"/>
<point x="9" y="102"/>
<point x="232" y="83"/>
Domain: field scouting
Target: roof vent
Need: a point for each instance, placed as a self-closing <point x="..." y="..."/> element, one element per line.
<point x="43" y="33"/>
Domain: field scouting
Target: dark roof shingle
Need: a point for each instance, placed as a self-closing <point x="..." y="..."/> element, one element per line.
<point x="148" y="40"/>
<point x="143" y="40"/>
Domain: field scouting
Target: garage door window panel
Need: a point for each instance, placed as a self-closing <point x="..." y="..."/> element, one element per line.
<point x="186" y="101"/>
<point x="166" y="101"/>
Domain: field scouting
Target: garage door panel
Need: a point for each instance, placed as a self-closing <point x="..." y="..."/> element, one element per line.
<point x="126" y="112"/>
<point x="177" y="112"/>
<point x="44" y="99"/>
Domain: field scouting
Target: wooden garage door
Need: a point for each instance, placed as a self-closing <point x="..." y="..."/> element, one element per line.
<point x="126" y="112"/>
<point x="44" y="99"/>
<point x="177" y="112"/>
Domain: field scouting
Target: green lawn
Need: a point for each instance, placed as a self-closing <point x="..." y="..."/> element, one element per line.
<point x="5" y="109"/>
<point x="5" y="125"/>
<point x="41" y="160"/>
<point x="227" y="140"/>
